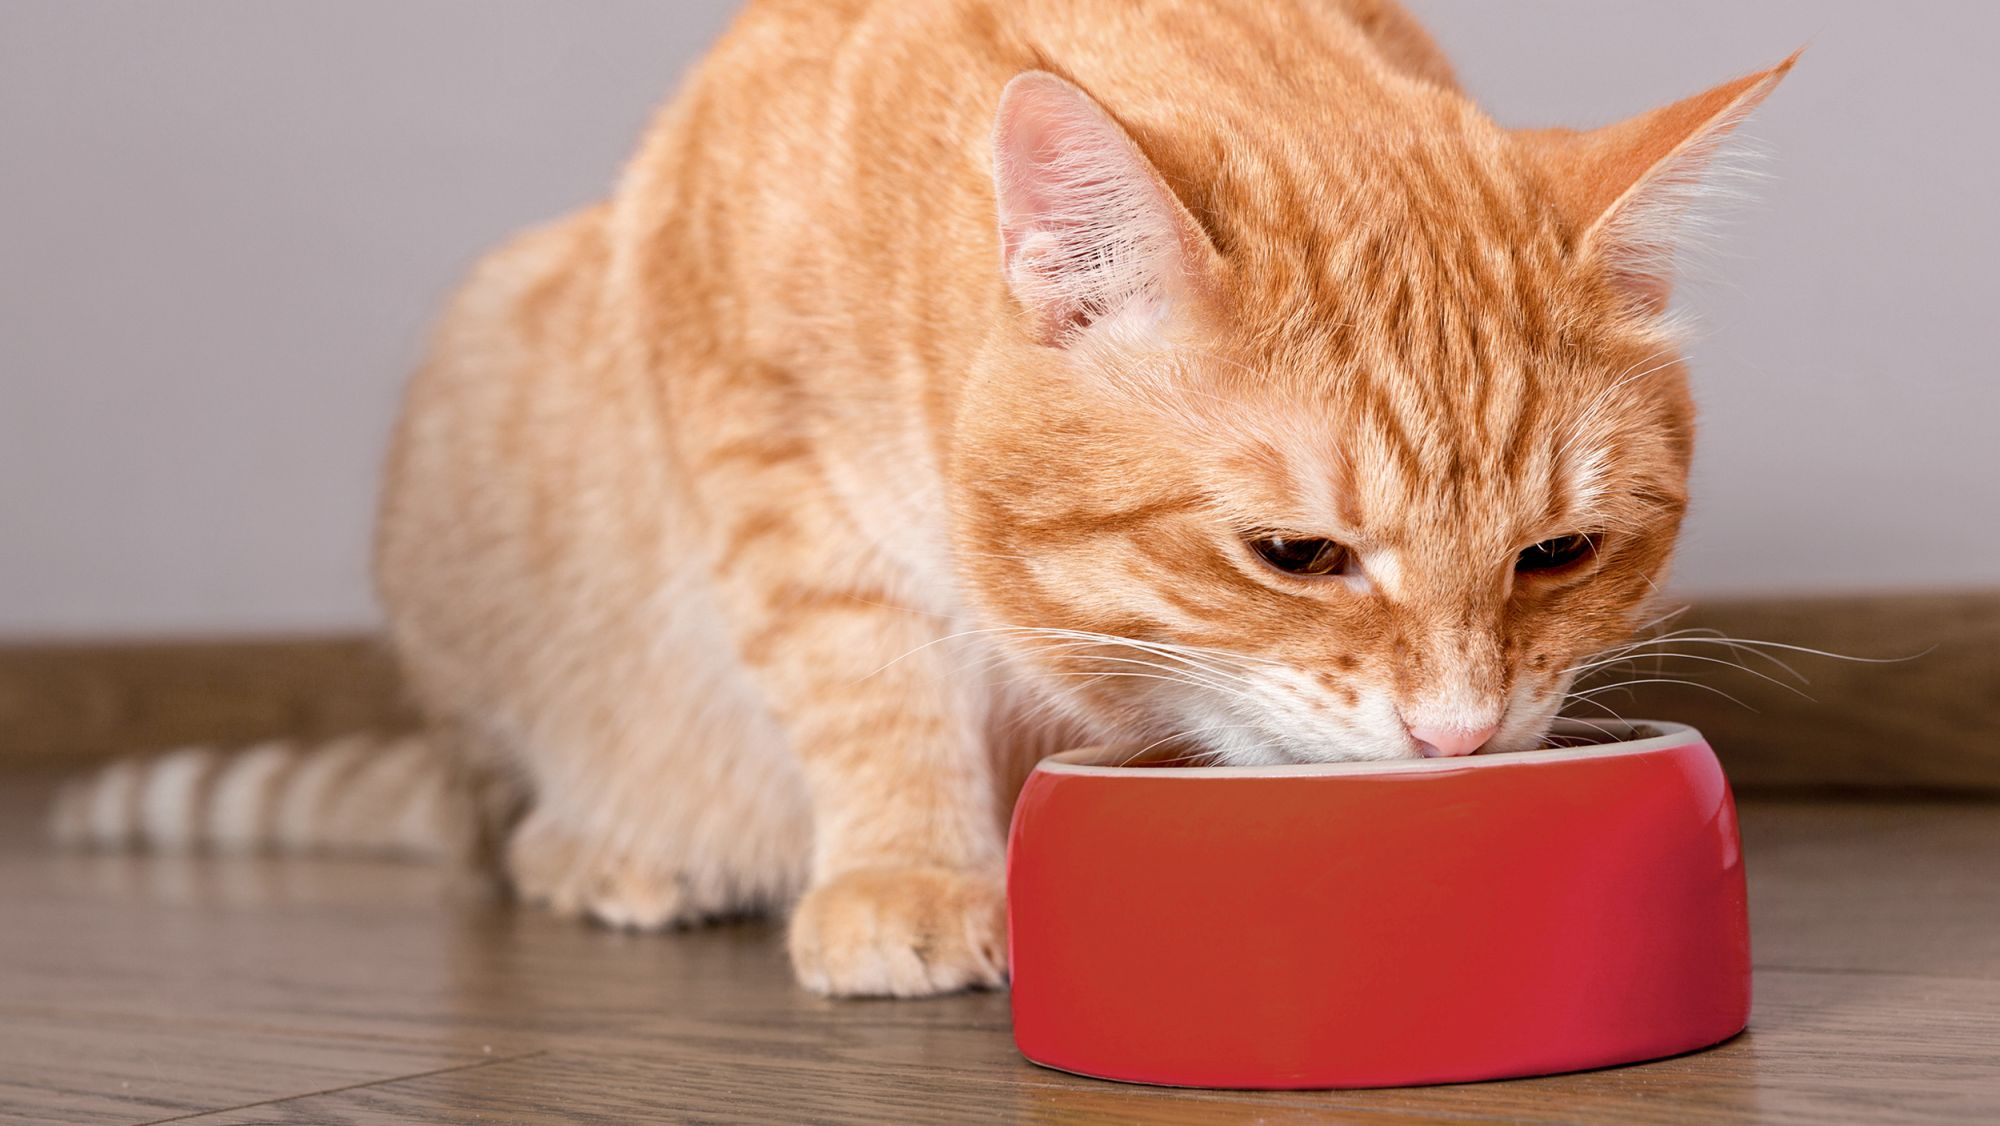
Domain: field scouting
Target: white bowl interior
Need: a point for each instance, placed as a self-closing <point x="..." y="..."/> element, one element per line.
<point x="1635" y="737"/>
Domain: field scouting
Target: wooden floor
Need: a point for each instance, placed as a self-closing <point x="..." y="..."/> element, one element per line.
<point x="138" y="989"/>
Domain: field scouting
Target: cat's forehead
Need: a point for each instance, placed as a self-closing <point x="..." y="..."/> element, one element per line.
<point x="1427" y="348"/>
<point x="1457" y="427"/>
<point x="1387" y="224"/>
<point x="1458" y="326"/>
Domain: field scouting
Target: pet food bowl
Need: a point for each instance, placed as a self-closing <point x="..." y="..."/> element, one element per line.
<point x="1378" y="924"/>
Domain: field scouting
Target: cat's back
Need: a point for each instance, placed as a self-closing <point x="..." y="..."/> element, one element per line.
<point x="816" y="198"/>
<point x="823" y="28"/>
<point x="840" y="148"/>
<point x="931" y="56"/>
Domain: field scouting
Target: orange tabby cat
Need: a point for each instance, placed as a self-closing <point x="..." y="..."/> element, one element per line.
<point x="950" y="381"/>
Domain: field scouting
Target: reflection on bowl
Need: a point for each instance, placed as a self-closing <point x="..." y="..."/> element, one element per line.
<point x="1378" y="923"/>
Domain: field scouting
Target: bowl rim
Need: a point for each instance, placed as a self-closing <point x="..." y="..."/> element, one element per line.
<point x="1092" y="761"/>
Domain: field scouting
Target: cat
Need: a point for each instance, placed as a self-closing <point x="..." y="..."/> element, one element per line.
<point x="949" y="382"/>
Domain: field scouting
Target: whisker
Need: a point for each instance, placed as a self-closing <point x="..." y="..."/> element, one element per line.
<point x="1626" y="684"/>
<point x="1184" y="652"/>
<point x="1706" y="636"/>
<point x="1193" y="678"/>
<point x="1187" y="734"/>
<point x="1754" y="644"/>
<point x="1600" y="706"/>
<point x="1071" y="646"/>
<point x="1088" y="678"/>
<point x="1585" y="670"/>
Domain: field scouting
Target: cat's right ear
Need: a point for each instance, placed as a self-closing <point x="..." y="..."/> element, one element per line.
<point x="1089" y="232"/>
<point x="1628" y="187"/>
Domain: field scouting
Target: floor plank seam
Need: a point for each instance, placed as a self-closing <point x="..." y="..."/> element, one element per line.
<point x="346" y="1087"/>
<point x="129" y="1019"/>
<point x="1866" y="971"/>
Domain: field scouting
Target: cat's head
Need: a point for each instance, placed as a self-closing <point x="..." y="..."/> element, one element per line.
<point x="1356" y="447"/>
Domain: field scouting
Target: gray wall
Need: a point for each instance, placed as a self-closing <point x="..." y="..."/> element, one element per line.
<point x="225" y="223"/>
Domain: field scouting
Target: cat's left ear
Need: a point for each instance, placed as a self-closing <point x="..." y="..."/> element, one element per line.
<point x="1629" y="187"/>
<point x="1089" y="231"/>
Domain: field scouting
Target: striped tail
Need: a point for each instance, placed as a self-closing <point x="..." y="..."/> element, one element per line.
<point x="361" y="794"/>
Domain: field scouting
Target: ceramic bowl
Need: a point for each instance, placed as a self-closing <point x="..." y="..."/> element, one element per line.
<point x="1378" y="924"/>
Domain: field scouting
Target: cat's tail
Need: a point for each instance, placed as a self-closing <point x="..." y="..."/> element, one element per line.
<point x="364" y="794"/>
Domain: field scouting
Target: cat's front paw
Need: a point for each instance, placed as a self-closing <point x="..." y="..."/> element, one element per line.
<point x="901" y="932"/>
<point x="572" y="875"/>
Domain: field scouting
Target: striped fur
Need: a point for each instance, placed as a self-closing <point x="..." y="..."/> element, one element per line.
<point x="359" y="795"/>
<point x="911" y="407"/>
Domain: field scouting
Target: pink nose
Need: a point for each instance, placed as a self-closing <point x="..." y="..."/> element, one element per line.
<point x="1441" y="742"/>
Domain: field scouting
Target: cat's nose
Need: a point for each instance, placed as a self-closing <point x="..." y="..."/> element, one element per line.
<point x="1441" y="742"/>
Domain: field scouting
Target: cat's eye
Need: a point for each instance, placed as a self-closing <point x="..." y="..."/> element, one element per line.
<point x="1555" y="554"/>
<point x="1302" y="555"/>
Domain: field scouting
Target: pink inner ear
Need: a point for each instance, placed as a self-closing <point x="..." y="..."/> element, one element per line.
<point x="1087" y="230"/>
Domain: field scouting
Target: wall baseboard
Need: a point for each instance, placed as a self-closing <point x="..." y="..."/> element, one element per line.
<point x="67" y="704"/>
<point x="1929" y="724"/>
<point x="1926" y="719"/>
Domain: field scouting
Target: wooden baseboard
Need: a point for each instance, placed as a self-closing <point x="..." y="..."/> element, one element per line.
<point x="1930" y="724"/>
<point x="66" y="704"/>
<point x="1927" y="720"/>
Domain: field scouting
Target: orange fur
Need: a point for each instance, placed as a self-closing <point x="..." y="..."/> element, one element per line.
<point x="724" y="515"/>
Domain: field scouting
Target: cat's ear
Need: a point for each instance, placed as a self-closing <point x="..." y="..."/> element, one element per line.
<point x="1088" y="229"/>
<point x="1630" y="187"/>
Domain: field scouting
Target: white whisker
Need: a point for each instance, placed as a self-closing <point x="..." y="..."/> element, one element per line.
<point x="1626" y="684"/>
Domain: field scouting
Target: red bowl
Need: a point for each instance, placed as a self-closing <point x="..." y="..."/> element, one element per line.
<point x="1378" y="924"/>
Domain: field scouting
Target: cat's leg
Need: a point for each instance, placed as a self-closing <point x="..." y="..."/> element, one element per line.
<point x="905" y="895"/>
<point x="663" y="792"/>
<point x="661" y="841"/>
<point x="543" y="582"/>
<point x="513" y="818"/>
<point x="905" y="887"/>
<point x="645" y="789"/>
<point x="618" y="766"/>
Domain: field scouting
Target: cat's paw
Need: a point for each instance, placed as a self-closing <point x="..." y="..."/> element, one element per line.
<point x="901" y="932"/>
<point x="557" y="869"/>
